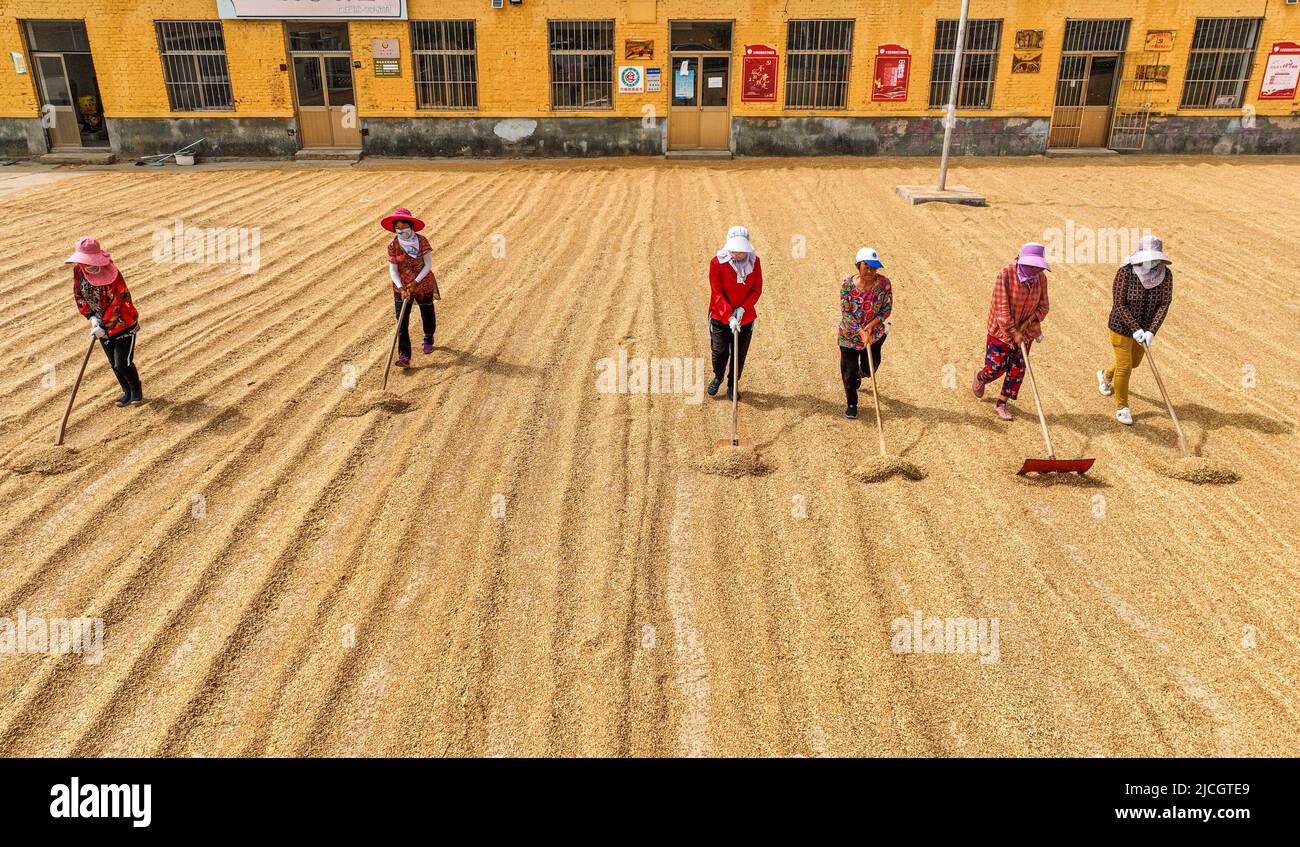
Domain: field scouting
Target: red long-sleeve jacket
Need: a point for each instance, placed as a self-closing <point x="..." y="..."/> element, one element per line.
<point x="728" y="293"/>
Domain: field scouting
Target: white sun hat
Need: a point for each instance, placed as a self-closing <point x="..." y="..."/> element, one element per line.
<point x="738" y="230"/>
<point x="1150" y="249"/>
<point x="870" y="256"/>
<point x="738" y="244"/>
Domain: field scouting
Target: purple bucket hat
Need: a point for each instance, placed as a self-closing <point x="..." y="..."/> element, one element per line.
<point x="1032" y="254"/>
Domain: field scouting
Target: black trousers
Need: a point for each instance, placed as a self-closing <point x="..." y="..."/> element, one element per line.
<point x="854" y="367"/>
<point x="428" y="317"/>
<point x="120" y="350"/>
<point x="720" y="346"/>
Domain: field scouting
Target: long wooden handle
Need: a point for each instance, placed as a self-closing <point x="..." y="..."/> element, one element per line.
<point x="880" y="426"/>
<point x="1182" y="442"/>
<point x="58" y="439"/>
<point x="1051" y="454"/>
<point x="406" y="310"/>
<point x="735" y="380"/>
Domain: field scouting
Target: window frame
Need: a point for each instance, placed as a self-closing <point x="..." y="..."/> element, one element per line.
<point x="814" y="87"/>
<point x="1213" y="85"/>
<point x="968" y="53"/>
<point x="427" y="88"/>
<point x="200" y="84"/>
<point x="552" y="54"/>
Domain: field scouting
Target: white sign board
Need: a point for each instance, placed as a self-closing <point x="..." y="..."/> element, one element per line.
<point x="20" y="64"/>
<point x="653" y="80"/>
<point x="301" y="10"/>
<point x="386" y="48"/>
<point x="631" y="79"/>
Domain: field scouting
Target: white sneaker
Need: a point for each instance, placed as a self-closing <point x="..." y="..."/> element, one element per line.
<point x="1124" y="416"/>
<point x="1104" y="385"/>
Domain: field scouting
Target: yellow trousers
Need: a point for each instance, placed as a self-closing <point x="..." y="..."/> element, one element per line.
<point x="1128" y="355"/>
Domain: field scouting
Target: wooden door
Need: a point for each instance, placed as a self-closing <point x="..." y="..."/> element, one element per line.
<point x="326" y="100"/>
<point x="57" y="112"/>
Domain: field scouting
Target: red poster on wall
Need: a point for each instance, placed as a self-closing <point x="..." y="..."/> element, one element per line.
<point x="1281" y="72"/>
<point x="893" y="67"/>
<point x="759" y="68"/>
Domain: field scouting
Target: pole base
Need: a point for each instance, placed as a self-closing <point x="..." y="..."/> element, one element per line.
<point x="959" y="194"/>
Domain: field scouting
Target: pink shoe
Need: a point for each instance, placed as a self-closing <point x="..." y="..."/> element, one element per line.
<point x="1004" y="412"/>
<point x="403" y="361"/>
<point x="978" y="387"/>
<point x="427" y="348"/>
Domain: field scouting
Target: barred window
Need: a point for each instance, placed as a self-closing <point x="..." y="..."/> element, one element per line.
<point x="817" y="60"/>
<point x="1219" y="64"/>
<point x="446" y="64"/>
<point x="582" y="64"/>
<point x="194" y="66"/>
<point x="979" y="63"/>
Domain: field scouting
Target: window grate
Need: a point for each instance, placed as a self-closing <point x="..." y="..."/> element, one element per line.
<point x="979" y="63"/>
<point x="1220" y="62"/>
<point x="1096" y="36"/>
<point x="818" y="55"/>
<point x="194" y="66"/>
<point x="446" y="64"/>
<point x="582" y="64"/>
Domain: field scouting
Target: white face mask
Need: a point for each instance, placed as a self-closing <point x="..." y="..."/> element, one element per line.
<point x="1150" y="266"/>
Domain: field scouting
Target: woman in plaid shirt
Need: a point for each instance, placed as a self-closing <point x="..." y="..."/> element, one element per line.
<point x="1140" y="298"/>
<point x="1015" y="317"/>
<point x="866" y="302"/>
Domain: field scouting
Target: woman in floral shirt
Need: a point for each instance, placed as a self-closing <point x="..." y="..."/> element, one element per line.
<point x="866" y="303"/>
<point x="410" y="267"/>
<point x="101" y="295"/>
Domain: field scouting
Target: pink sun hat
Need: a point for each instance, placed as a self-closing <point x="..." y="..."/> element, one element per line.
<point x="401" y="214"/>
<point x="89" y="252"/>
<point x="1034" y="255"/>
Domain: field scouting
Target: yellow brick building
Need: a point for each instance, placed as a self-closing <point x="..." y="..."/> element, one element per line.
<point x="596" y="77"/>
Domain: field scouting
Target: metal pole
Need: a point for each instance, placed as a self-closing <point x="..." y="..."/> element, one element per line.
<point x="952" y="93"/>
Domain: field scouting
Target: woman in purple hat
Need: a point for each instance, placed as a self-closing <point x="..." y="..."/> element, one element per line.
<point x="410" y="267"/>
<point x="1015" y="317"/>
<point x="101" y="295"/>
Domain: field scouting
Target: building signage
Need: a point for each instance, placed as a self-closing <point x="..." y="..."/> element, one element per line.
<point x="893" y="67"/>
<point x="386" y="48"/>
<point x="639" y="48"/>
<point x="653" y="80"/>
<point x="314" y="10"/>
<point x="1029" y="39"/>
<point x="1026" y="63"/>
<point x="759" y="68"/>
<point x="1281" y="72"/>
<point x="1160" y="40"/>
<point x="631" y="79"/>
<point x="388" y="67"/>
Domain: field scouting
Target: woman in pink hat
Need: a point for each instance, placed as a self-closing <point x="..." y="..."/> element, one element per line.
<point x="101" y="295"/>
<point x="1015" y="317"/>
<point x="410" y="266"/>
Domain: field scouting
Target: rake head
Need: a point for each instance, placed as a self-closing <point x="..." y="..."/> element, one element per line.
<point x="1079" y="466"/>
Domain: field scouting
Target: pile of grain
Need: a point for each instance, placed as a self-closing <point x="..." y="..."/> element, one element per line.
<point x="361" y="403"/>
<point x="880" y="468"/>
<point x="1200" y="470"/>
<point x="734" y="462"/>
<point x="46" y="461"/>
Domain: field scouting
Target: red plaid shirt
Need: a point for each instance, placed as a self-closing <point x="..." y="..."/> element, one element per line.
<point x="1026" y="299"/>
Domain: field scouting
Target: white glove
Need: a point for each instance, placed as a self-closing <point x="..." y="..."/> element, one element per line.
<point x="739" y="314"/>
<point x="1138" y="335"/>
<point x="734" y="323"/>
<point x="1147" y="338"/>
<point x="97" y="328"/>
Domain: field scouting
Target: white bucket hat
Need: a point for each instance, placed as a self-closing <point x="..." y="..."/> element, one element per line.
<point x="738" y="230"/>
<point x="1150" y="249"/>
<point x="870" y="256"/>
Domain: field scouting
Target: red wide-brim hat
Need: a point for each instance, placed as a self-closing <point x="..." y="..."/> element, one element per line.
<point x="402" y="214"/>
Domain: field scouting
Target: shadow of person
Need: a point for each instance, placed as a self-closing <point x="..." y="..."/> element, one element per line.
<point x="446" y="356"/>
<point x="1210" y="418"/>
<point x="890" y="408"/>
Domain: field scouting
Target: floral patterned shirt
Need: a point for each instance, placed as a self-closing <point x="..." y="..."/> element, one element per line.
<point x="409" y="267"/>
<point x="110" y="303"/>
<point x="857" y="308"/>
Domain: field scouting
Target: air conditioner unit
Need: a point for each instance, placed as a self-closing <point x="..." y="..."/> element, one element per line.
<point x="498" y="4"/>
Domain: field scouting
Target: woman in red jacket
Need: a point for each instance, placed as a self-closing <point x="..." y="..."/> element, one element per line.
<point x="101" y="295"/>
<point x="736" y="281"/>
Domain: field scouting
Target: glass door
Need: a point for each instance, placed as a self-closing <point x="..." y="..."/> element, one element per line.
<point x="699" y="79"/>
<point x="324" y="91"/>
<point x="71" y="110"/>
<point x="57" y="114"/>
